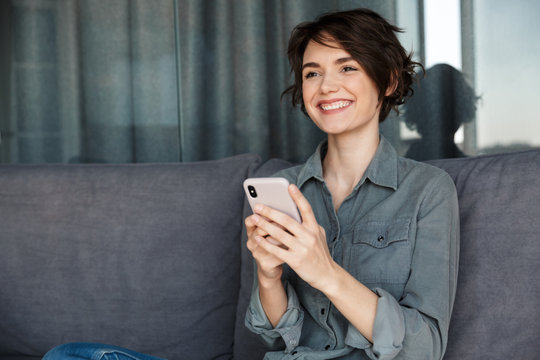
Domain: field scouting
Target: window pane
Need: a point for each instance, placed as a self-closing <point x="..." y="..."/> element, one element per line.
<point x="507" y="54"/>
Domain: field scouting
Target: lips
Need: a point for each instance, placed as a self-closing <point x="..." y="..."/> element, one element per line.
<point x="329" y="105"/>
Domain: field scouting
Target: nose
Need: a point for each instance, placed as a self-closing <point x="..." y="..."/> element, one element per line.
<point x="329" y="84"/>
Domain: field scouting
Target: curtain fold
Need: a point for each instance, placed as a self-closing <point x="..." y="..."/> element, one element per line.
<point x="156" y="81"/>
<point x="6" y="135"/>
<point x="128" y="83"/>
<point x="234" y="69"/>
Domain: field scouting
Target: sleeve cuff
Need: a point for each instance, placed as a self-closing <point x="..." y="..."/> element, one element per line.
<point x="388" y="330"/>
<point x="289" y="327"/>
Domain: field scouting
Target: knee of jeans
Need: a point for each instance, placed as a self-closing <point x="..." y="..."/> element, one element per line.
<point x="91" y="351"/>
<point x="60" y="352"/>
<point x="77" y="351"/>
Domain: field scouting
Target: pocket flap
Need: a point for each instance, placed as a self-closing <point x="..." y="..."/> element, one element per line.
<point x="380" y="234"/>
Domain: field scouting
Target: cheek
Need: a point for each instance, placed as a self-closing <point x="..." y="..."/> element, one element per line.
<point x="369" y="94"/>
<point x="308" y="90"/>
<point x="305" y="94"/>
<point x="309" y="103"/>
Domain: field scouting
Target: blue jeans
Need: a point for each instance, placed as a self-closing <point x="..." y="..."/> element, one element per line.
<point x="93" y="351"/>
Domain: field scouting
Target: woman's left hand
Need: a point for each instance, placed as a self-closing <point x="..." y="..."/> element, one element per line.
<point x="305" y="249"/>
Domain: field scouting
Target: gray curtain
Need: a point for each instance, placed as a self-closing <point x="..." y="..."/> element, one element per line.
<point x="154" y="81"/>
<point x="5" y="74"/>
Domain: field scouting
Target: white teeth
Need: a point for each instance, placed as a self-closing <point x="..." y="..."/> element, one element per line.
<point x="335" y="105"/>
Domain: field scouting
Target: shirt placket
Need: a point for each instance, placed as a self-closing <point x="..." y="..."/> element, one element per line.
<point x="325" y="306"/>
<point x="341" y="221"/>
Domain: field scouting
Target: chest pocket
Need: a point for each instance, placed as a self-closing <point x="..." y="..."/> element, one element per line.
<point x="381" y="252"/>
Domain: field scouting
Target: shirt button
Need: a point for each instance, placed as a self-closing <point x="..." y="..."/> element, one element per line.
<point x="327" y="347"/>
<point x="380" y="238"/>
<point x="323" y="311"/>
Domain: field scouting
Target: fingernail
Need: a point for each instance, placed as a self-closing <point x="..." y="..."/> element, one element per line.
<point x="256" y="218"/>
<point x="258" y="207"/>
<point x="258" y="239"/>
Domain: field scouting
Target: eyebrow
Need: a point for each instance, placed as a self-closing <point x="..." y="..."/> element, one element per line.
<point x="338" y="61"/>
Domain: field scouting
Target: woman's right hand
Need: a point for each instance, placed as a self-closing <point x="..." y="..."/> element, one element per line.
<point x="269" y="267"/>
<point x="269" y="270"/>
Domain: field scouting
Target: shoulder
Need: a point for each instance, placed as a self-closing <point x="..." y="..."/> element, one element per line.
<point x="429" y="188"/>
<point x="424" y="177"/>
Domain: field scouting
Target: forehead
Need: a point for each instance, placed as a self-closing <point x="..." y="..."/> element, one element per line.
<point x="329" y="51"/>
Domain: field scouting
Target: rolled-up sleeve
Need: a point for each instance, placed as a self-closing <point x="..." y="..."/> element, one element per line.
<point x="388" y="329"/>
<point x="287" y="332"/>
<point x="416" y="326"/>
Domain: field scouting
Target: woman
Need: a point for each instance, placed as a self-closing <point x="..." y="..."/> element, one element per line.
<point x="371" y="271"/>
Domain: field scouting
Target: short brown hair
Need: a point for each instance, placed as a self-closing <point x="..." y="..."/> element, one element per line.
<point x="371" y="41"/>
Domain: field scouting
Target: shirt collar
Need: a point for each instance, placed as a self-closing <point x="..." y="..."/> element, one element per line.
<point x="381" y="171"/>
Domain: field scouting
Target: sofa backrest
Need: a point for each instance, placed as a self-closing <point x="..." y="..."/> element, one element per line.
<point x="141" y="256"/>
<point x="98" y="253"/>
<point x="497" y="309"/>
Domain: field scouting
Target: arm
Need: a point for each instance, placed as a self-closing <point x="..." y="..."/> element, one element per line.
<point x="430" y="291"/>
<point x="306" y="252"/>
<point x="269" y="270"/>
<point x="416" y="325"/>
<point x="353" y="300"/>
<point x="273" y="299"/>
<point x="274" y="311"/>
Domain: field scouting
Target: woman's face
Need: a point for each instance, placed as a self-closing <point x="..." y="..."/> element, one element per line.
<point x="338" y="94"/>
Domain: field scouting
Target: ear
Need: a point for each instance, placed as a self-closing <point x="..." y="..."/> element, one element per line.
<point x="393" y="84"/>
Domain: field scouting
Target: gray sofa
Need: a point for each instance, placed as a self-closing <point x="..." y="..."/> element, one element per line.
<point x="152" y="257"/>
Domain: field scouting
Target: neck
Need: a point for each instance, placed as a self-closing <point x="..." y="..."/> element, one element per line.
<point x="348" y="158"/>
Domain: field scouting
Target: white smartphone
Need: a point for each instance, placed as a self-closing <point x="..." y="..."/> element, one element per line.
<point x="272" y="192"/>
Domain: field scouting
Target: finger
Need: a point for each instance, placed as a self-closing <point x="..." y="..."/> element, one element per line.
<point x="260" y="232"/>
<point x="306" y="211"/>
<point x="273" y="241"/>
<point x="266" y="261"/>
<point x="274" y="228"/>
<point x="252" y="245"/>
<point x="257" y="252"/>
<point x="275" y="250"/>
<point x="279" y="218"/>
<point x="250" y="224"/>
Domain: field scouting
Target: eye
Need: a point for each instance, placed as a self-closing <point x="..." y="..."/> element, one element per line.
<point x="348" y="68"/>
<point x="310" y="74"/>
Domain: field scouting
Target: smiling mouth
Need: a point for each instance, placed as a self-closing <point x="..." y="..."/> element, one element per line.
<point x="335" y="105"/>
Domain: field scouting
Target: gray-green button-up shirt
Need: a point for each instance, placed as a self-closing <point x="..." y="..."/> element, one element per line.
<point x="398" y="234"/>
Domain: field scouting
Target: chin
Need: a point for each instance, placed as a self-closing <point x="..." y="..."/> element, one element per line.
<point x="332" y="129"/>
